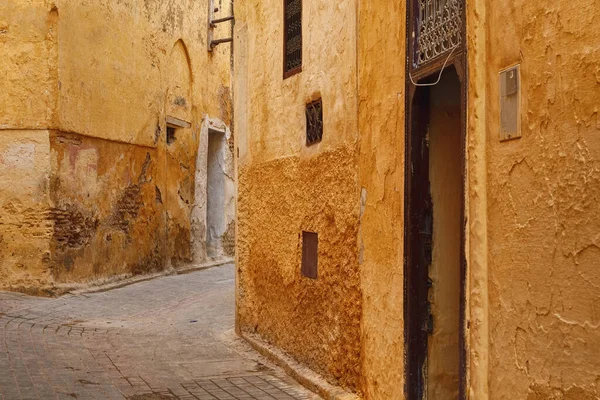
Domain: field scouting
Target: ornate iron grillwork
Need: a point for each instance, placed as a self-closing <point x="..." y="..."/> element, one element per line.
<point x="314" y="122"/>
<point x="293" y="37"/>
<point x="439" y="28"/>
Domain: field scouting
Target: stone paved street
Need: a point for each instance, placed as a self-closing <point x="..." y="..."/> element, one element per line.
<point x="168" y="338"/>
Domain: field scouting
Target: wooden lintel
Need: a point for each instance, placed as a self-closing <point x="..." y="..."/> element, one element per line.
<point x="179" y="123"/>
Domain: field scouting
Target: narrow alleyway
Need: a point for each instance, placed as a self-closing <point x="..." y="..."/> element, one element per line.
<point x="168" y="338"/>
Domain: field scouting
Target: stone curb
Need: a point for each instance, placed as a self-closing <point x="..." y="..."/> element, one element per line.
<point x="120" y="282"/>
<point x="301" y="374"/>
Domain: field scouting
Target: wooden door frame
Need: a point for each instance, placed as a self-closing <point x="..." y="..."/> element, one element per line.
<point x="458" y="61"/>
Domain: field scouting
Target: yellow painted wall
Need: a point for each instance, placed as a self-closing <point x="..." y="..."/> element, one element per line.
<point x="28" y="66"/>
<point x="381" y="67"/>
<point x="129" y="45"/>
<point x="531" y="204"/>
<point x="544" y="209"/>
<point x="99" y="79"/>
<point x="25" y="225"/>
<point x="274" y="108"/>
<point x="28" y="81"/>
<point x="286" y="187"/>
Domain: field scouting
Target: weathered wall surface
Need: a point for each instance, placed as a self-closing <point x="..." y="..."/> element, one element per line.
<point x="316" y="321"/>
<point x="103" y="77"/>
<point x="106" y="211"/>
<point x="28" y="79"/>
<point x="29" y="65"/>
<point x="138" y="59"/>
<point x="544" y="209"/>
<point x="286" y="187"/>
<point x="25" y="224"/>
<point x="273" y="109"/>
<point x="381" y="125"/>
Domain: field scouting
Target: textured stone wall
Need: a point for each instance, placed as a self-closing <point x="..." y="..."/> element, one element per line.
<point x="28" y="78"/>
<point x="544" y="209"/>
<point x="316" y="321"/>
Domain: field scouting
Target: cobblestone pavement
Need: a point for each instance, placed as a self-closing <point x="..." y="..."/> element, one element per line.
<point x="169" y="338"/>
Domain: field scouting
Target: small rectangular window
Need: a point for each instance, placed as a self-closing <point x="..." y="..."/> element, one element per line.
<point x="314" y="122"/>
<point x="170" y="134"/>
<point x="292" y="57"/>
<point x="310" y="254"/>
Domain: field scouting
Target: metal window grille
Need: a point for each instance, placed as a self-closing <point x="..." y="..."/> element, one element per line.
<point x="439" y="28"/>
<point x="314" y="122"/>
<point x="293" y="37"/>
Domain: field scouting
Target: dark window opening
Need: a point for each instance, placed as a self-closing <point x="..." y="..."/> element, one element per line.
<point x="292" y="57"/>
<point x="310" y="256"/>
<point x="170" y="134"/>
<point x="314" y="122"/>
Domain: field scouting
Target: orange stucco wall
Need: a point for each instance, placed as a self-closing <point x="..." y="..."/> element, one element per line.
<point x="543" y="196"/>
<point x="381" y="169"/>
<point x="531" y="204"/>
<point x="285" y="187"/>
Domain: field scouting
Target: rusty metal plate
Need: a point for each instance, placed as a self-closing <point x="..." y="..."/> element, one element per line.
<point x="310" y="254"/>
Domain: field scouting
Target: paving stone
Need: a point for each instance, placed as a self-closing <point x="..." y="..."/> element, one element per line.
<point x="155" y="340"/>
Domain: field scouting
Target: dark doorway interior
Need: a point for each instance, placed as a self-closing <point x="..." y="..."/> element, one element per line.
<point x="434" y="269"/>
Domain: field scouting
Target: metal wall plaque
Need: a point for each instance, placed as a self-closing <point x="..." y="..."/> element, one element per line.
<point x="510" y="104"/>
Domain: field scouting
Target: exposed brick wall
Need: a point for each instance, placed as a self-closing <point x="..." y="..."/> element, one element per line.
<point x="126" y="208"/>
<point x="72" y="228"/>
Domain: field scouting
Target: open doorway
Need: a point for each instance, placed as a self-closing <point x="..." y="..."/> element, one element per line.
<point x="215" y="193"/>
<point x="434" y="269"/>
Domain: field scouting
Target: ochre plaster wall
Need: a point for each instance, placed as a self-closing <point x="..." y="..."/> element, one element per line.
<point x="28" y="79"/>
<point x="316" y="321"/>
<point x="531" y="205"/>
<point x="135" y="59"/>
<point x="102" y="77"/>
<point x="274" y="109"/>
<point x="381" y="66"/>
<point x="29" y="64"/>
<point x="285" y="187"/>
<point x="544" y="208"/>
<point x="107" y="216"/>
<point x="25" y="224"/>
